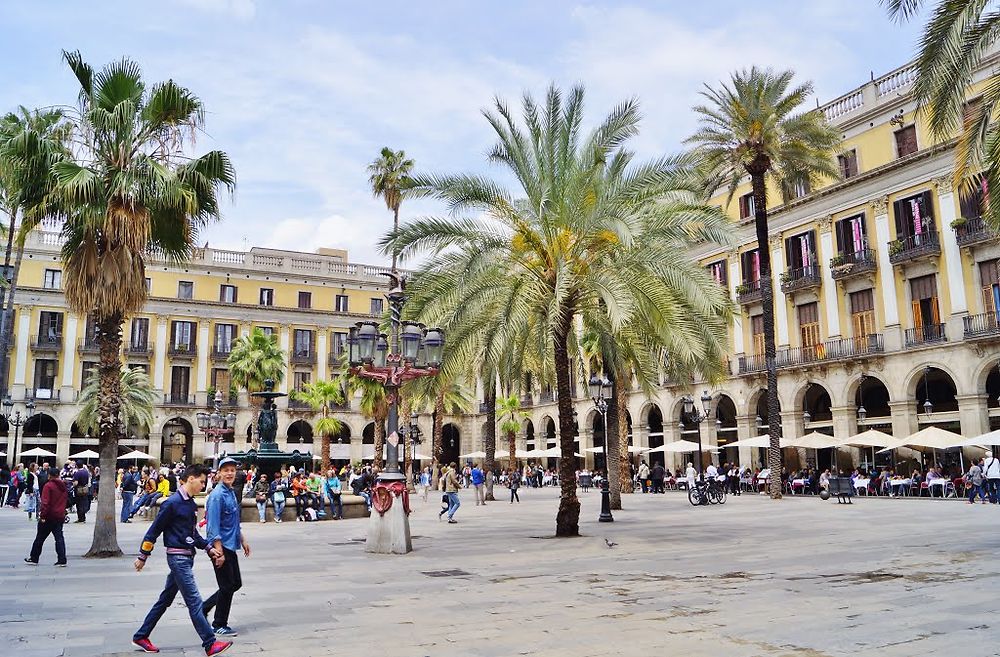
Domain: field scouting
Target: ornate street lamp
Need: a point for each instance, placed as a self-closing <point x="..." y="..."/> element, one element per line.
<point x="928" y="406"/>
<point x="217" y="426"/>
<point x="697" y="416"/>
<point x="16" y="420"/>
<point x="597" y="387"/>
<point x="410" y="351"/>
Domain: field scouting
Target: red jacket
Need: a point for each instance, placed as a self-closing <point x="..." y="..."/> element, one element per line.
<point x="53" y="501"/>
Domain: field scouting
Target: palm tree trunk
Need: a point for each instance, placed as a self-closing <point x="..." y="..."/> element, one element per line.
<point x="512" y="450"/>
<point x="437" y="433"/>
<point x="379" y="440"/>
<point x="5" y="333"/>
<point x="568" y="516"/>
<point x="324" y="442"/>
<point x="757" y="169"/>
<point x="624" y="456"/>
<point x="490" y="439"/>
<point x="395" y="229"/>
<point x="109" y="340"/>
<point x="7" y="321"/>
<point x="612" y="436"/>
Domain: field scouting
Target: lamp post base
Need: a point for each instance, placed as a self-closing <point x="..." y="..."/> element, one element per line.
<point x="389" y="532"/>
<point x="605" y="503"/>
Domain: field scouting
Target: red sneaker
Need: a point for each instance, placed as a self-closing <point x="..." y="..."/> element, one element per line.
<point x="146" y="645"/>
<point x="218" y="648"/>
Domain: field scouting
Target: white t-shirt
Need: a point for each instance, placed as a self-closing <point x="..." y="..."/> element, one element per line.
<point x="991" y="466"/>
<point x="690" y="473"/>
<point x="711" y="471"/>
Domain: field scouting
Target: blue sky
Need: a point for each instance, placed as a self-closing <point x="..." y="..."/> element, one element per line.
<point x="303" y="93"/>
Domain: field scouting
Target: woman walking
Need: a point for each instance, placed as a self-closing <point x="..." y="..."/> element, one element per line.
<point x="515" y="483"/>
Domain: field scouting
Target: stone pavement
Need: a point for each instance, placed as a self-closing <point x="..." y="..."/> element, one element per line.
<point x="798" y="577"/>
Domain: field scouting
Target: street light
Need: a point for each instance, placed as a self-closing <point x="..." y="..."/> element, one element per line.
<point x="597" y="387"/>
<point x="217" y="426"/>
<point x="696" y="417"/>
<point x="928" y="406"/>
<point x="16" y="420"/>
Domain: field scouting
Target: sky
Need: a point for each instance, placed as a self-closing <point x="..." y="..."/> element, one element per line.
<point x="302" y="94"/>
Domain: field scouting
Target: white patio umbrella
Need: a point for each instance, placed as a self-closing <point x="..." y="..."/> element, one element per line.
<point x="3" y="453"/>
<point x="814" y="440"/>
<point x="37" y="453"/>
<point x="632" y="449"/>
<point x="473" y="455"/>
<point x="990" y="439"/>
<point x="135" y="455"/>
<point x="871" y="438"/>
<point x="85" y="454"/>
<point x="932" y="438"/>
<point x="555" y="452"/>
<point x="758" y="441"/>
<point x="680" y="447"/>
<point x="417" y="456"/>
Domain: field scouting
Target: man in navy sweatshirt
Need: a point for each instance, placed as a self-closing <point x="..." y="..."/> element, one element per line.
<point x="177" y="522"/>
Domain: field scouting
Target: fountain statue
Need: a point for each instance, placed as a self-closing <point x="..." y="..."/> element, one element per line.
<point x="269" y="458"/>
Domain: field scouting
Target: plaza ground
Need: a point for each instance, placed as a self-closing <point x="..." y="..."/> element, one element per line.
<point x="799" y="577"/>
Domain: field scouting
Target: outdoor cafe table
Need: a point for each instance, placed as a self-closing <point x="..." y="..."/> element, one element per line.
<point x="903" y="483"/>
<point x="861" y="484"/>
<point x="942" y="482"/>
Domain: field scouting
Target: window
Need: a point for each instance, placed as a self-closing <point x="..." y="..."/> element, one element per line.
<point x="746" y="206"/>
<point x="972" y="196"/>
<point x="149" y="285"/>
<point x="339" y="343"/>
<point x="757" y="331"/>
<point x="185" y="290"/>
<point x="800" y="188"/>
<point x="52" y="279"/>
<point x="989" y="280"/>
<point x="303" y="342"/>
<point x="305" y="299"/>
<point x="90" y="331"/>
<point x="45" y="378"/>
<point x="848" y="164"/>
<point x="221" y="381"/>
<point x="88" y="365"/>
<point x="906" y="141"/>
<point x="717" y="270"/>
<point x="266" y="296"/>
<point x="750" y="266"/>
<point x="863" y="313"/>
<point x="914" y="218"/>
<point x="340" y="303"/>
<point x="224" y="335"/>
<point x="376" y="308"/>
<point x="50" y="326"/>
<point x="182" y="336"/>
<point x="851" y="237"/>
<point x="809" y="329"/>
<point x="924" y="302"/>
<point x="300" y="380"/>
<point x="267" y="330"/>
<point x="180" y="383"/>
<point x="800" y="250"/>
<point x="139" y="340"/>
<point x="227" y="294"/>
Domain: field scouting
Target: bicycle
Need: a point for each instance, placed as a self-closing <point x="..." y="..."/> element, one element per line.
<point x="707" y="492"/>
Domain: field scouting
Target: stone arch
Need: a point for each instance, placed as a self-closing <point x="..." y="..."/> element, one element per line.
<point x="758" y="409"/>
<point x="654" y="423"/>
<point x="936" y="384"/>
<point x="913" y="378"/>
<point x="177" y="441"/>
<point x="299" y="432"/>
<point x="725" y="424"/>
<point x="815" y="399"/>
<point x="451" y="443"/>
<point x="41" y="425"/>
<point x="529" y="434"/>
<point x="551" y="436"/>
<point x="987" y="376"/>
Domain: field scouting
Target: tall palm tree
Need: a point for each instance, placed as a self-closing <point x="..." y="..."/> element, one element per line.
<point x="957" y="35"/>
<point x="254" y="359"/>
<point x="389" y="177"/>
<point x="756" y="125"/>
<point x="510" y="415"/>
<point x="137" y="400"/>
<point x="322" y="396"/>
<point x="128" y="188"/>
<point x="564" y="245"/>
<point x="30" y="143"/>
<point x="374" y="405"/>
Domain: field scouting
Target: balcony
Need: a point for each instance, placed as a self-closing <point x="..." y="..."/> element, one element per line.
<point x="527" y="401"/>
<point x="138" y="350"/>
<point x="46" y="342"/>
<point x="221" y="354"/>
<point x="981" y="327"/>
<point x="969" y="232"/>
<point x="868" y="345"/>
<point x="824" y="352"/>
<point x="178" y="399"/>
<point x="849" y="265"/>
<point x="41" y="395"/>
<point x="748" y="292"/>
<point x="182" y="350"/>
<point x="303" y="358"/>
<point x="336" y="360"/>
<point x="546" y="396"/>
<point x="915" y="247"/>
<point x="483" y="407"/>
<point x="800" y="278"/>
<point x="88" y="345"/>
<point x="926" y="334"/>
<point x="298" y="405"/>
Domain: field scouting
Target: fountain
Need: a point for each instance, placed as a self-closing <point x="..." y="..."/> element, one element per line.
<point x="268" y="458"/>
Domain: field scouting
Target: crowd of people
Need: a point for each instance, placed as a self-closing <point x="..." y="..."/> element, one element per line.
<point x="20" y="487"/>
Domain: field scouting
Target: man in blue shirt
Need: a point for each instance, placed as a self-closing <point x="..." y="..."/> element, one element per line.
<point x="478" y="479"/>
<point x="223" y="512"/>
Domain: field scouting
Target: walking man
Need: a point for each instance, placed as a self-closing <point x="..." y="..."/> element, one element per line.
<point x="478" y="479"/>
<point x="452" y="482"/>
<point x="130" y="484"/>
<point x="81" y="491"/>
<point x="644" y="476"/>
<point x="177" y="522"/>
<point x="51" y="516"/>
<point x="224" y="534"/>
<point x="991" y="468"/>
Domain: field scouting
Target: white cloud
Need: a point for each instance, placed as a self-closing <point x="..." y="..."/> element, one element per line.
<point x="241" y="9"/>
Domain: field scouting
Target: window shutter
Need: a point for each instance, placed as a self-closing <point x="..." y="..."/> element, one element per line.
<point x="989" y="306"/>
<point x="935" y="318"/>
<point x="927" y="210"/>
<point x="918" y="320"/>
<point x="897" y="212"/>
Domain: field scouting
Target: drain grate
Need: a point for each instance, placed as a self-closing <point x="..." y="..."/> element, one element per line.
<point x="445" y="573"/>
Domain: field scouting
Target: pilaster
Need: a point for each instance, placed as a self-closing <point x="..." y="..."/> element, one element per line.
<point x="776" y="245"/>
<point x="826" y="252"/>
<point x="949" y="245"/>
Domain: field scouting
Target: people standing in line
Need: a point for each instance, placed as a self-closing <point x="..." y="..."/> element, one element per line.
<point x="452" y="483"/>
<point x="991" y="471"/>
<point x="515" y="483"/>
<point x="177" y="522"/>
<point x="222" y="510"/>
<point x="81" y="492"/>
<point x="333" y="490"/>
<point x="51" y="515"/>
<point x="644" y="476"/>
<point x="129" y="486"/>
<point x="478" y="481"/>
<point x="261" y="491"/>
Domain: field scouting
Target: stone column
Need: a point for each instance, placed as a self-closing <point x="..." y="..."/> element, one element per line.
<point x="826" y="252"/>
<point x="23" y="338"/>
<point x="160" y="354"/>
<point x="973" y="413"/>
<point x="792" y="426"/>
<point x="745" y="429"/>
<point x="886" y="273"/>
<point x="904" y="418"/>
<point x="949" y="246"/>
<point x="322" y="353"/>
<point x="284" y="341"/>
<point x="69" y="357"/>
<point x="204" y="344"/>
<point x="734" y="280"/>
<point x="845" y="425"/>
<point x="671" y="433"/>
<point x="780" y="305"/>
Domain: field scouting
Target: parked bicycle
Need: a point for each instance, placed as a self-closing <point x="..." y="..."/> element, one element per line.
<point x="705" y="492"/>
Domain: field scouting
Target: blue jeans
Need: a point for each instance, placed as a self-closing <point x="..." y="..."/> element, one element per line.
<point x="279" y="508"/>
<point x="126" y="504"/>
<point x="974" y="490"/>
<point x="262" y="510"/>
<point x="367" y="497"/>
<point x="453" y="504"/>
<point x="180" y="578"/>
<point x="336" y="507"/>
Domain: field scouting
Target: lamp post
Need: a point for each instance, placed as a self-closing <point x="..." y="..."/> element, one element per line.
<point x="697" y="416"/>
<point x="597" y="387"/>
<point x="928" y="406"/>
<point x="16" y="420"/>
<point x="217" y="426"/>
<point x="410" y="352"/>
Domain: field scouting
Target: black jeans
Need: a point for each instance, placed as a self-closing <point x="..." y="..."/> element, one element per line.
<point x="54" y="527"/>
<point x="82" y="507"/>
<point x="228" y="577"/>
<point x="514" y="496"/>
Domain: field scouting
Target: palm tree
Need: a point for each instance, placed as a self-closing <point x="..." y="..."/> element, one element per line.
<point x="137" y="400"/>
<point x="127" y="189"/>
<point x="565" y="245"/>
<point x="322" y="396"/>
<point x="30" y="143"/>
<point x="389" y="176"/>
<point x="756" y="125"/>
<point x="374" y="405"/>
<point x="254" y="359"/>
<point x="511" y="416"/>
<point x="957" y="35"/>
<point x="444" y="395"/>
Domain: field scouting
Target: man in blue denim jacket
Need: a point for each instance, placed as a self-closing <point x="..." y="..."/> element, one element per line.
<point x="223" y="512"/>
<point x="177" y="522"/>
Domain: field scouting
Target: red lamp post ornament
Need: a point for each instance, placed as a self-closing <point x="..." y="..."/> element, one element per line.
<point x="410" y="352"/>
